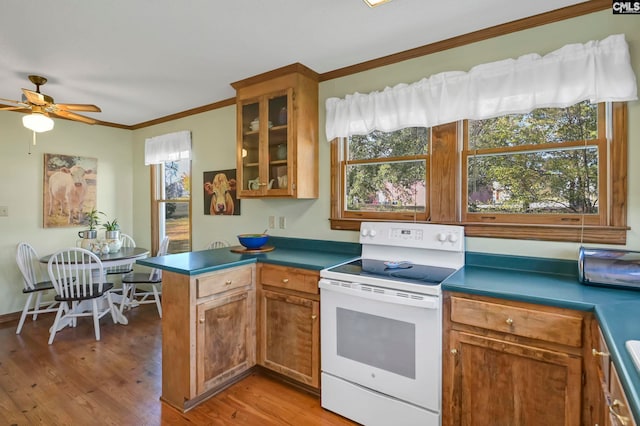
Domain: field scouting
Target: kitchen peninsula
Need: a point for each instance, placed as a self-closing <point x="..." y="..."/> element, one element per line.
<point x="225" y="312"/>
<point x="194" y="282"/>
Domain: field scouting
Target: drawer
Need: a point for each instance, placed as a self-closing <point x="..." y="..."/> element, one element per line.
<point x="290" y="278"/>
<point x="601" y="352"/>
<point x="618" y="405"/>
<point x="223" y="281"/>
<point x="531" y="323"/>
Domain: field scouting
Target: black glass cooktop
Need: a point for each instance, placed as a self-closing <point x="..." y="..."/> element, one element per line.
<point x="395" y="271"/>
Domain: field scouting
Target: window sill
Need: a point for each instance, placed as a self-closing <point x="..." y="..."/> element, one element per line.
<point x="563" y="233"/>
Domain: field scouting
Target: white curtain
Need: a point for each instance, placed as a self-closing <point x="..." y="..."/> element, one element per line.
<point x="168" y="147"/>
<point x="599" y="71"/>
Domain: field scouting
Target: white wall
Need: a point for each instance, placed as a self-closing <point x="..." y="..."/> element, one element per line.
<point x="21" y="187"/>
<point x="214" y="148"/>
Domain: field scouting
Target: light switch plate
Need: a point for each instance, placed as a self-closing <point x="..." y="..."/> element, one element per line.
<point x="272" y="222"/>
<point x="283" y="222"/>
<point x="4" y="211"/>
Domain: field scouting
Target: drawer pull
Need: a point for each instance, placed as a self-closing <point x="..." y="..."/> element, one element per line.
<point x="228" y="282"/>
<point x="596" y="352"/>
<point x="509" y="321"/>
<point x="285" y="280"/>
<point x="624" y="421"/>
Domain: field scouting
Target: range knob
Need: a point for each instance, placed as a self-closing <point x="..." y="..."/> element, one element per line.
<point x="453" y="237"/>
<point x="364" y="232"/>
<point x="442" y="237"/>
<point x="373" y="232"/>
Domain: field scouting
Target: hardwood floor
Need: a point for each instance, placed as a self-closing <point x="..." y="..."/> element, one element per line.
<point x="78" y="381"/>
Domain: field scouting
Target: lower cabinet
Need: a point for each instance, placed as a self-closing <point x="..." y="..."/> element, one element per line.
<point x="509" y="363"/>
<point x="225" y="338"/>
<point x="289" y="323"/>
<point x="208" y="333"/>
<point x="614" y="407"/>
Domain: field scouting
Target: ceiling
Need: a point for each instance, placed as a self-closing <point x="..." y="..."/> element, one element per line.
<point x="145" y="59"/>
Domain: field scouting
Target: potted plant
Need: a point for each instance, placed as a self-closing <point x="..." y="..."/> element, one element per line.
<point x="111" y="228"/>
<point x="91" y="233"/>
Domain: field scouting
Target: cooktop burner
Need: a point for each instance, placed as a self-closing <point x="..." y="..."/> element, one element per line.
<point x="395" y="271"/>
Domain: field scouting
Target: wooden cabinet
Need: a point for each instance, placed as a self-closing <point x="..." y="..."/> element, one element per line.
<point x="208" y="333"/>
<point x="614" y="406"/>
<point x="277" y="134"/>
<point x="510" y="363"/>
<point x="289" y="323"/>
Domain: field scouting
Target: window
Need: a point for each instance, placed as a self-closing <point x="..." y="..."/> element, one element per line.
<point x="171" y="204"/>
<point x="541" y="167"/>
<point x="385" y="175"/>
<point x="554" y="174"/>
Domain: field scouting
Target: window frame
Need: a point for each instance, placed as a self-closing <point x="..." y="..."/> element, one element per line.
<point x="446" y="203"/>
<point x="156" y="190"/>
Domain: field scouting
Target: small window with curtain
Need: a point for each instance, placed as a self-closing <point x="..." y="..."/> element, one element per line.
<point x="170" y="158"/>
<point x="385" y="175"/>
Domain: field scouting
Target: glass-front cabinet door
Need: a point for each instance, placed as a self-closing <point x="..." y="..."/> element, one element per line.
<point x="265" y="137"/>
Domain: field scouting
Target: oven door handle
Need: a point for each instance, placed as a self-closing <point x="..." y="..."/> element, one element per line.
<point x="387" y="296"/>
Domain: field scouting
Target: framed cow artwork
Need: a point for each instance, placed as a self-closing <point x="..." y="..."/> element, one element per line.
<point x="69" y="190"/>
<point x="220" y="193"/>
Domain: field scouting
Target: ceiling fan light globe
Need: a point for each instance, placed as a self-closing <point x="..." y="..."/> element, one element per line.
<point x="37" y="122"/>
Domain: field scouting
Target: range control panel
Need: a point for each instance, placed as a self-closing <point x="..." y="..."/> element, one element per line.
<point x="418" y="235"/>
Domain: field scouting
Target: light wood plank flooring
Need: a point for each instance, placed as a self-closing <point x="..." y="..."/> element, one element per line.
<point x="78" y="381"/>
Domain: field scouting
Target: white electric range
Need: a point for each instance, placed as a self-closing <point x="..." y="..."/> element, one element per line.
<point x="381" y="325"/>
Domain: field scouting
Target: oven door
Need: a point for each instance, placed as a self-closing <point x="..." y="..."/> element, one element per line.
<point x="385" y="340"/>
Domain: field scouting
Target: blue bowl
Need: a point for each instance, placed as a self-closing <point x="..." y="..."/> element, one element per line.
<point x="253" y="241"/>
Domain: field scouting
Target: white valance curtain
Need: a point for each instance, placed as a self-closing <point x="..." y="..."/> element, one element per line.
<point x="599" y="71"/>
<point x="168" y="147"/>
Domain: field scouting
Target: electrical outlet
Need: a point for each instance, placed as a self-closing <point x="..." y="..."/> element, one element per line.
<point x="4" y="211"/>
<point x="283" y="222"/>
<point x="272" y="222"/>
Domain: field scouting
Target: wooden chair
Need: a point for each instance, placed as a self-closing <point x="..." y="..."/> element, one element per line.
<point x="133" y="295"/>
<point x="218" y="244"/>
<point x="78" y="279"/>
<point x="127" y="241"/>
<point x="34" y="284"/>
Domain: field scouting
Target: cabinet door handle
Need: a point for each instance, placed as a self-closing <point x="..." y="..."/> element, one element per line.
<point x="596" y="352"/>
<point x="228" y="282"/>
<point x="454" y="351"/>
<point x="509" y="321"/>
<point x="313" y="317"/>
<point x="624" y="421"/>
<point x="285" y="280"/>
<point x="202" y="320"/>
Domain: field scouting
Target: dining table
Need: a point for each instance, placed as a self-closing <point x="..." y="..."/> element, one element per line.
<point x="124" y="256"/>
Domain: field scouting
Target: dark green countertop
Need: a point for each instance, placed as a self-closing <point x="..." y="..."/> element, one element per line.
<point x="294" y="252"/>
<point x="555" y="283"/>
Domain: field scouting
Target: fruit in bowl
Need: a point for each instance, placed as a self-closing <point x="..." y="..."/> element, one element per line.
<point x="253" y="241"/>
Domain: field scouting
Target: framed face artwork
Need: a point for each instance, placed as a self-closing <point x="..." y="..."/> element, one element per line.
<point x="220" y="193"/>
<point x="69" y="189"/>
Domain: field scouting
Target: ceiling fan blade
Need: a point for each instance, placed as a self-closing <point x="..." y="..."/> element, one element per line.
<point x="34" y="97"/>
<point x="13" y="108"/>
<point x="11" y="100"/>
<point x="73" y="116"/>
<point x="79" y="107"/>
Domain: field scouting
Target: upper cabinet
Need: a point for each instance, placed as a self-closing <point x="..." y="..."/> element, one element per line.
<point x="277" y="133"/>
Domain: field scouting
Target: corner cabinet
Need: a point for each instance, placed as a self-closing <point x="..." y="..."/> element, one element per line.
<point x="277" y="134"/>
<point x="289" y="323"/>
<point x="512" y="363"/>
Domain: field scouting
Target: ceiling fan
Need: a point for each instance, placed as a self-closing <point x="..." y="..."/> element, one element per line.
<point x="42" y="105"/>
